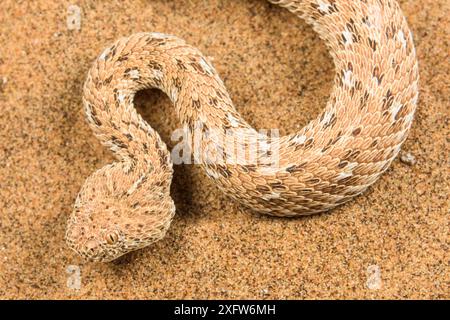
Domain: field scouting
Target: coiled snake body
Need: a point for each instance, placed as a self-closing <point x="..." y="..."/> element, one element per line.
<point x="126" y="205"/>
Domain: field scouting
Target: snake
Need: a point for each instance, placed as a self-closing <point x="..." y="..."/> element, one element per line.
<point x="126" y="205"/>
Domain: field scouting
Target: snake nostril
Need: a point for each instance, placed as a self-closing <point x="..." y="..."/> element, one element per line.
<point x="91" y="246"/>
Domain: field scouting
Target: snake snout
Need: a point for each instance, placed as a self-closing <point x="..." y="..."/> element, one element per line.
<point x="91" y="248"/>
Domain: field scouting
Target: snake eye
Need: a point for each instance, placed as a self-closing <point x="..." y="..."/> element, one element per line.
<point x="111" y="237"/>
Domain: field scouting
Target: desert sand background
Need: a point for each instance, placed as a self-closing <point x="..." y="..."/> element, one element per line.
<point x="279" y="74"/>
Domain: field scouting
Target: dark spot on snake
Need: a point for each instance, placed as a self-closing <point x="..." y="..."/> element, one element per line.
<point x="189" y="123"/>
<point x="128" y="70"/>
<point x="329" y="189"/>
<point x="342" y="164"/>
<point x="353" y="155"/>
<point x="220" y="95"/>
<point x="350" y="66"/>
<point x="388" y="100"/>
<point x="135" y="205"/>
<point x="356" y="131"/>
<point x="133" y="159"/>
<point x="340" y="76"/>
<point x="333" y="7"/>
<point x="213" y="101"/>
<point x="197" y="67"/>
<point x="330" y="143"/>
<point x="166" y="158"/>
<point x="351" y="25"/>
<point x="177" y="83"/>
<point x="154" y="41"/>
<point x="280" y="188"/>
<point x="276" y="184"/>
<point x="96" y="121"/>
<point x="122" y="57"/>
<point x="114" y="126"/>
<point x="316" y="6"/>
<point x="373" y="44"/>
<point x="374" y="143"/>
<point x="226" y="125"/>
<point x="157" y="81"/>
<point x="118" y="143"/>
<point x="88" y="107"/>
<point x="364" y="99"/>
<point x="309" y="143"/>
<point x="159" y="183"/>
<point x="181" y="64"/>
<point x="385" y="167"/>
<point x="390" y="31"/>
<point x="328" y="146"/>
<point x="344" y="40"/>
<point x="155" y="65"/>
<point x="268" y="153"/>
<point x="322" y="117"/>
<point x="344" y="180"/>
<point x="330" y="122"/>
<point x="224" y="171"/>
<point x="392" y="153"/>
<point x="107" y="80"/>
<point x="335" y="140"/>
<point x="297" y="167"/>
<point x="312" y="181"/>
<point x="113" y="50"/>
<point x="248" y="168"/>
<point x="377" y="74"/>
<point x="196" y="104"/>
<point x="400" y="112"/>
<point x="291" y="169"/>
<point x="93" y="116"/>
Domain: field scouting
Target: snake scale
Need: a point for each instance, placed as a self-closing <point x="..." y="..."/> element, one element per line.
<point x="127" y="205"/>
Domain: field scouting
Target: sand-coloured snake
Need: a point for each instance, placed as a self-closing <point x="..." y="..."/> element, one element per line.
<point x="126" y="205"/>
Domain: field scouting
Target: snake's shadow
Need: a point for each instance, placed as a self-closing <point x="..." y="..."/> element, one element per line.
<point x="156" y="109"/>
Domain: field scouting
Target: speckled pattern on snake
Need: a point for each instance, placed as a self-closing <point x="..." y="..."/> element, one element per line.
<point x="127" y="205"/>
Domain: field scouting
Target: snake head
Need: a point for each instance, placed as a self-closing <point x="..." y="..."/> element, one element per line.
<point x="105" y="224"/>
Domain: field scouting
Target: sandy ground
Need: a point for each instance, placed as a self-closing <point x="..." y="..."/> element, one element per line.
<point x="392" y="242"/>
